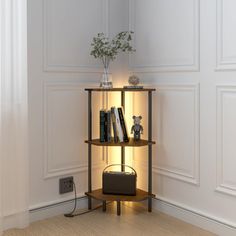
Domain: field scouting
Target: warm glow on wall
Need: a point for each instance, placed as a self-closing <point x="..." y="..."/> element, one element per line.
<point x="114" y="153"/>
<point x="129" y="112"/>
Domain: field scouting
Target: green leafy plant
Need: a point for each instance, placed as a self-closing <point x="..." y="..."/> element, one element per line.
<point x="105" y="49"/>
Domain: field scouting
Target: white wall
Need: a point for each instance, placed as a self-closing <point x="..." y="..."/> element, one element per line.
<point x="186" y="49"/>
<point x="59" y="37"/>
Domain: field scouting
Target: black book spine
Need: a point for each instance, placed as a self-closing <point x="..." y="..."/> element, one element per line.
<point x="108" y="126"/>
<point x="105" y="128"/>
<point x="102" y="126"/>
<point x="123" y="126"/>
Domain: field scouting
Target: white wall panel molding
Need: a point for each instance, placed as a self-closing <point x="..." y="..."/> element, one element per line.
<point x="177" y="154"/>
<point x="64" y="129"/>
<point x="226" y="136"/>
<point x="155" y="21"/>
<point x="226" y="35"/>
<point x="70" y="170"/>
<point x="67" y="49"/>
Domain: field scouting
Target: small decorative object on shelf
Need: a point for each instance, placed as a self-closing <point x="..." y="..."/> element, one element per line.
<point x="133" y="80"/>
<point x="133" y="83"/>
<point x="137" y="129"/>
<point x="106" y="50"/>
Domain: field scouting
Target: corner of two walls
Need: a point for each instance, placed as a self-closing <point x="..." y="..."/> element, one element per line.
<point x="170" y="47"/>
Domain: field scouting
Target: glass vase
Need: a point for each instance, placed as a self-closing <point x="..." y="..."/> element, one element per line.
<point x="106" y="81"/>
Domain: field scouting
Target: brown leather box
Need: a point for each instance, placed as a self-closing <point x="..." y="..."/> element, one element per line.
<point x="120" y="183"/>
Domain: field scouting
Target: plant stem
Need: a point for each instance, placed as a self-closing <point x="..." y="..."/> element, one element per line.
<point x="106" y="62"/>
<point x="103" y="61"/>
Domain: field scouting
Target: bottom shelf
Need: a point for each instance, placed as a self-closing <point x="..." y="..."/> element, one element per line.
<point x="140" y="196"/>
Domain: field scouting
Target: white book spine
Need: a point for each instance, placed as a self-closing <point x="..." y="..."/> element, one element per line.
<point x="119" y="128"/>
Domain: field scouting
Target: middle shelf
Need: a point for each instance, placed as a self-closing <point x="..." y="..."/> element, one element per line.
<point x="131" y="143"/>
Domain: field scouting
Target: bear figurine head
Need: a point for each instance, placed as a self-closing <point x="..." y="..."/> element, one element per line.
<point x="137" y="120"/>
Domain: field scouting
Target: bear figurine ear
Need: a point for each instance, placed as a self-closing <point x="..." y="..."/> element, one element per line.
<point x="140" y="117"/>
<point x="134" y="117"/>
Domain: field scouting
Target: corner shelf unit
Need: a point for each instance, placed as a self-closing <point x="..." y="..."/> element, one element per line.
<point x="97" y="194"/>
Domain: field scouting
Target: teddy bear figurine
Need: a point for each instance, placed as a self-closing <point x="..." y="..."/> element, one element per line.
<point x="137" y="129"/>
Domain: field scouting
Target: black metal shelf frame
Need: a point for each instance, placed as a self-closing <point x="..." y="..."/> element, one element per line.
<point x="90" y="90"/>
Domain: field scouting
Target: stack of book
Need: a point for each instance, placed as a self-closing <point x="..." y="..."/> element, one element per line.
<point x="113" y="120"/>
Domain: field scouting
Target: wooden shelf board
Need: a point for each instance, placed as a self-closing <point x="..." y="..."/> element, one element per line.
<point x="140" y="196"/>
<point x="131" y="143"/>
<point x="120" y="89"/>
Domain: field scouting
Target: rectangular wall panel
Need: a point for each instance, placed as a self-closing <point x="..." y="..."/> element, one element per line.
<point x="226" y="136"/>
<point x="68" y="48"/>
<point x="65" y="129"/>
<point x="177" y="132"/>
<point x="166" y="35"/>
<point x="175" y="123"/>
<point x="226" y="35"/>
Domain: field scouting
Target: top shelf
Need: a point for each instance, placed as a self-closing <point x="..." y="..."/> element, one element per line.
<point x="120" y="90"/>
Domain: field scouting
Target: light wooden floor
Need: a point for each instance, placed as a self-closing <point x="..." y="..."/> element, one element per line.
<point x="134" y="220"/>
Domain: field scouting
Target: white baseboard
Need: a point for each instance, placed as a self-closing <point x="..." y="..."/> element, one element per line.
<point x="54" y="209"/>
<point x="18" y="220"/>
<point x="194" y="217"/>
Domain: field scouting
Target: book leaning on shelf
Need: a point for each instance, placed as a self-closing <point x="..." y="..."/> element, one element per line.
<point x="105" y="126"/>
<point x="102" y="125"/>
<point x="118" y="125"/>
<point x="114" y="126"/>
<point x="123" y="124"/>
<point x="113" y="120"/>
<point x="108" y="126"/>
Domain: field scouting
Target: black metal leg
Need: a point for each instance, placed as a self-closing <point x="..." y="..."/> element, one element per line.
<point x="150" y="177"/>
<point x="89" y="203"/>
<point x="150" y="204"/>
<point x="150" y="151"/>
<point x="123" y="148"/>
<point x="122" y="159"/>
<point x="89" y="148"/>
<point x="104" y="206"/>
<point x="118" y="208"/>
<point x="89" y="175"/>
